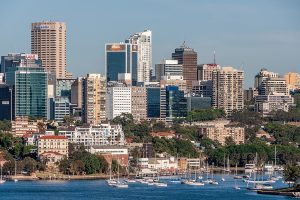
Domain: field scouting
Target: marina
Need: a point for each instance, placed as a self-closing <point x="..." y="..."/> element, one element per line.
<point x="141" y="189"/>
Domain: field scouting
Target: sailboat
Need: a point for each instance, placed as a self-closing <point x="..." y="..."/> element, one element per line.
<point x="235" y="175"/>
<point x="194" y="181"/>
<point x="15" y="179"/>
<point x="1" y="177"/>
<point x="213" y="181"/>
<point x="111" y="181"/>
<point x="223" y="172"/>
<point x="208" y="180"/>
<point x="120" y="184"/>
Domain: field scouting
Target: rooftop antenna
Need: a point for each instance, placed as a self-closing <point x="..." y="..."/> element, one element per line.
<point x="214" y="57"/>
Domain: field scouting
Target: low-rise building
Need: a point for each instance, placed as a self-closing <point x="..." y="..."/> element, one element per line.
<point x="90" y="135"/>
<point x="265" y="104"/>
<point x="52" y="147"/>
<point x="161" y="134"/>
<point x="219" y="130"/>
<point x="22" y="125"/>
<point x="110" y="153"/>
<point x="163" y="164"/>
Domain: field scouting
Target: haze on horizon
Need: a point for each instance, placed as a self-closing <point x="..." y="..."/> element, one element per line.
<point x="245" y="34"/>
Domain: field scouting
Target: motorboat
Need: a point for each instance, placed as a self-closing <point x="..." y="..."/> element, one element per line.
<point x="193" y="183"/>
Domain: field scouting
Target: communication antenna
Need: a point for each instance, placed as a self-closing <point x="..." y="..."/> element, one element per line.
<point x="214" y="57"/>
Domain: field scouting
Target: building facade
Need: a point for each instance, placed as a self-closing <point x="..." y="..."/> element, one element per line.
<point x="118" y="101"/>
<point x="292" y="80"/>
<point x="138" y="103"/>
<point x="265" y="104"/>
<point x="143" y="40"/>
<point x="228" y="89"/>
<point x="187" y="57"/>
<point x="94" y="99"/>
<point x="22" y="125"/>
<point x="48" y="40"/>
<point x="6" y="100"/>
<point x="121" y="58"/>
<point x="103" y="134"/>
<point x="168" y="68"/>
<point x="204" y="71"/>
<point x="54" y="144"/>
<point x="220" y="130"/>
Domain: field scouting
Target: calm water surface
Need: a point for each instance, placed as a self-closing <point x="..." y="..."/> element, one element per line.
<point x="97" y="189"/>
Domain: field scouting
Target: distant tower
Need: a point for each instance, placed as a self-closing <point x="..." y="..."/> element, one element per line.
<point x="188" y="58"/>
<point x="144" y="42"/>
<point x="48" y="40"/>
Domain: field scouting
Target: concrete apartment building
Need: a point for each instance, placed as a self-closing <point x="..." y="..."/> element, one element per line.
<point x="22" y="125"/>
<point x="204" y="71"/>
<point x="271" y="85"/>
<point x="94" y="99"/>
<point x="220" y="130"/>
<point x="48" y="40"/>
<point x="228" y="89"/>
<point x="103" y="134"/>
<point x="292" y="80"/>
<point x="138" y="103"/>
<point x="265" y="104"/>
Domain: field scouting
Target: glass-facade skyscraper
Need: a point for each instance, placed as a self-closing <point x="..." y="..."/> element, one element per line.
<point x="153" y="102"/>
<point x="28" y="79"/>
<point x="176" y="103"/>
<point x="119" y="59"/>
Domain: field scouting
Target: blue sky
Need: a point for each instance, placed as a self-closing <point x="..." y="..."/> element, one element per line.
<point x="245" y="34"/>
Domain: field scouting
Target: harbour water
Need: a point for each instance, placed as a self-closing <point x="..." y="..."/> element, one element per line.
<point x="98" y="189"/>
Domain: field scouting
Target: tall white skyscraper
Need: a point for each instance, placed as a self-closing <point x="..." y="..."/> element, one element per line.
<point x="144" y="42"/>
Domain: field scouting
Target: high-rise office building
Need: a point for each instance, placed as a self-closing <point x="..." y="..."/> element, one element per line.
<point x="228" y="89"/>
<point x="168" y="68"/>
<point x="29" y="82"/>
<point x="188" y="58"/>
<point x="48" y="40"/>
<point x="144" y="42"/>
<point x="94" y="99"/>
<point x="176" y="103"/>
<point x="6" y="102"/>
<point x="76" y="92"/>
<point x="121" y="58"/>
<point x="153" y="102"/>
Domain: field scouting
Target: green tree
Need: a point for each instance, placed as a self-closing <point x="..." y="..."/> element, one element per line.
<point x="292" y="173"/>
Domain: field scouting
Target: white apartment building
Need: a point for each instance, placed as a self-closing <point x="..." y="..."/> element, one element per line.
<point x="273" y="102"/>
<point x="144" y="42"/>
<point x="103" y="134"/>
<point x="118" y="101"/>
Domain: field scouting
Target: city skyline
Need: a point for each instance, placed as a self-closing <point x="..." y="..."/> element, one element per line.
<point x="249" y="35"/>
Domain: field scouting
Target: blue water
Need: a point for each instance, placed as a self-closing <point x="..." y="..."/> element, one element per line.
<point x="97" y="189"/>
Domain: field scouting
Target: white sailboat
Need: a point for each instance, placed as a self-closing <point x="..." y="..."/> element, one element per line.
<point x="223" y="172"/>
<point x="111" y="181"/>
<point x="15" y="179"/>
<point x="120" y="184"/>
<point x="236" y="176"/>
<point x="1" y="178"/>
